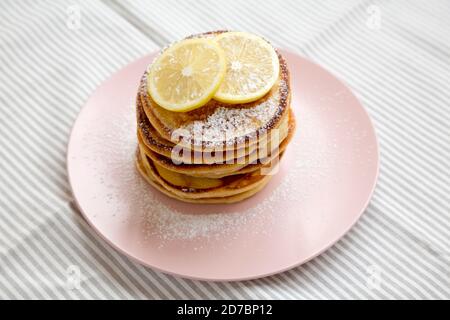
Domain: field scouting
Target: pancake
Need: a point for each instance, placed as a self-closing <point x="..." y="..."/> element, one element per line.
<point x="229" y="186"/>
<point x="217" y="124"/>
<point x="154" y="142"/>
<point x="223" y="200"/>
<point x="220" y="170"/>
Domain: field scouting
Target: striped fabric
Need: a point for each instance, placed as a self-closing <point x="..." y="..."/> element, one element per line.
<point x="395" y="55"/>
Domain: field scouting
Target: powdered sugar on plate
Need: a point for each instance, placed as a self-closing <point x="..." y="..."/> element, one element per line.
<point x="113" y="165"/>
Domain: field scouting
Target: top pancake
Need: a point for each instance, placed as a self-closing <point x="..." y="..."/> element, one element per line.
<point x="218" y="125"/>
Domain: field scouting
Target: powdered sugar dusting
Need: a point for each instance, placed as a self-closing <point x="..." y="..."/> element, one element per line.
<point x="111" y="153"/>
<point x="130" y="200"/>
<point x="235" y="124"/>
<point x="169" y="224"/>
<point x="140" y="204"/>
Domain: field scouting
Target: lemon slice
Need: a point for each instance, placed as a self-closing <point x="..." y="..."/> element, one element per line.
<point x="252" y="67"/>
<point x="187" y="74"/>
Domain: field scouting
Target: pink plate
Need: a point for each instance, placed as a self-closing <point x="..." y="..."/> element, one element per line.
<point x="324" y="183"/>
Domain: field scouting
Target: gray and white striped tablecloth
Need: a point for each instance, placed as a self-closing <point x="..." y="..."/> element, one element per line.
<point x="395" y="55"/>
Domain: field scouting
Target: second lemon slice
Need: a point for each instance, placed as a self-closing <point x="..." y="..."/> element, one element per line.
<point x="187" y="74"/>
<point x="252" y="67"/>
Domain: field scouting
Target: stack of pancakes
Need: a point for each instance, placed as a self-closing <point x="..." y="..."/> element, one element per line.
<point x="219" y="153"/>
